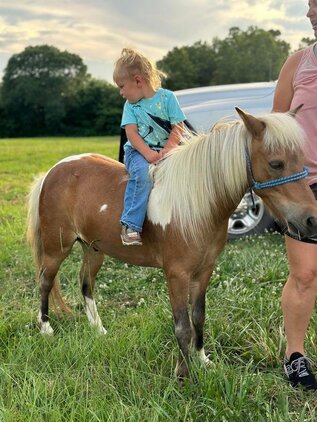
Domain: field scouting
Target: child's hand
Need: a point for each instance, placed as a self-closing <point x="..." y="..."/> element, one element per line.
<point x="163" y="152"/>
<point x="152" y="156"/>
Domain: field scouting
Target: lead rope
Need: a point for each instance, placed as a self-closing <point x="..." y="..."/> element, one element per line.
<point x="252" y="198"/>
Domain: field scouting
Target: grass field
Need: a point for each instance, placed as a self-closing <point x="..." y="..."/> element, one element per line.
<point x="127" y="375"/>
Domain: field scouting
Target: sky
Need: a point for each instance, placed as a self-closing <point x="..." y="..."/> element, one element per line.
<point x="97" y="30"/>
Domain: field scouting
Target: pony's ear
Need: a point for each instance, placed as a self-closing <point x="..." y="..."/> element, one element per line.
<point x="295" y="110"/>
<point x="254" y="125"/>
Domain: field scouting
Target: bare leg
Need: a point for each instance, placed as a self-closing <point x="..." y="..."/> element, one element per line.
<point x="299" y="293"/>
<point x="91" y="265"/>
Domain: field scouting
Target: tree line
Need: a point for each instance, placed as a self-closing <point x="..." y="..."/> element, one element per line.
<point x="48" y="92"/>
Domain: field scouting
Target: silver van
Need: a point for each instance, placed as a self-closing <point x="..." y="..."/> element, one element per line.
<point x="205" y="106"/>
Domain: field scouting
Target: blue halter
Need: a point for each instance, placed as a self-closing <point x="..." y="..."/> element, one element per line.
<point x="274" y="182"/>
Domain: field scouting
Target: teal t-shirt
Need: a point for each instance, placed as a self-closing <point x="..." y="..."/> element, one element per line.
<point x="154" y="117"/>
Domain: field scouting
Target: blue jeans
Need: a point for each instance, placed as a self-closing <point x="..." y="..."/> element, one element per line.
<point x="137" y="191"/>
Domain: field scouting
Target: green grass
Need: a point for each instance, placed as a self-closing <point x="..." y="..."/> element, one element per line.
<point x="127" y="375"/>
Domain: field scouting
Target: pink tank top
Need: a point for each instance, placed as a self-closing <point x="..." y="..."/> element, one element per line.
<point x="305" y="92"/>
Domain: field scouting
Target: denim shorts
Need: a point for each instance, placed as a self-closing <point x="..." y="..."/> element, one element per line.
<point x="285" y="231"/>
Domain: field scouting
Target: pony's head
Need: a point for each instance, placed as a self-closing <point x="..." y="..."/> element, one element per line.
<point x="277" y="164"/>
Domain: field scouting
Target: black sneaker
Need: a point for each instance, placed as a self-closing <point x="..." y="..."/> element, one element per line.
<point x="298" y="372"/>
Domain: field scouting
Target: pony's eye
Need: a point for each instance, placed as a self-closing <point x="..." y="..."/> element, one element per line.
<point x="277" y="164"/>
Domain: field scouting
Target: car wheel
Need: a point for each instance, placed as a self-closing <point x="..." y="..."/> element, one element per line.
<point x="249" y="218"/>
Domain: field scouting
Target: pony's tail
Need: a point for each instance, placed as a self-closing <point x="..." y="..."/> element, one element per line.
<point x="56" y="296"/>
<point x="33" y="236"/>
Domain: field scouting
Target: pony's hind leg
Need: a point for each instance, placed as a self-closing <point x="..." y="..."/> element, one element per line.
<point x="91" y="264"/>
<point x="52" y="257"/>
<point x="198" y="287"/>
<point x="48" y="276"/>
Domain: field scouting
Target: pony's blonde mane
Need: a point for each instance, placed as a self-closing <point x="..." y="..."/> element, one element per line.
<point x="282" y="132"/>
<point x="207" y="173"/>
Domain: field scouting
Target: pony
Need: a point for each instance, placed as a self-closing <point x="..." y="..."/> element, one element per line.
<point x="196" y="189"/>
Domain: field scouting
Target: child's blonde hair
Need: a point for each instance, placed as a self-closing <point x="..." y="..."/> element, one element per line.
<point x="133" y="63"/>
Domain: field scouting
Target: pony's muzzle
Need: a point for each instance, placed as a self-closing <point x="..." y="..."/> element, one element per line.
<point x="311" y="223"/>
<point x="303" y="227"/>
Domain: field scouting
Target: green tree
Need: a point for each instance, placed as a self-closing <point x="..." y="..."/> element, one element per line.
<point x="35" y="85"/>
<point x="5" y="121"/>
<point x="249" y="56"/>
<point x="188" y="66"/>
<point x="95" y="108"/>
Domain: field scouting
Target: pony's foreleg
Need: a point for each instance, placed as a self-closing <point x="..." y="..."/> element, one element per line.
<point x="198" y="287"/>
<point x="91" y="265"/>
<point x="46" y="283"/>
<point x="178" y="291"/>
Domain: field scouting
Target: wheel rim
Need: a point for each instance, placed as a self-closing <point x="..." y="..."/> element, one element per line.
<point x="246" y="216"/>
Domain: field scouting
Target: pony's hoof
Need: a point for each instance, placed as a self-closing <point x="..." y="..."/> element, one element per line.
<point x="207" y="362"/>
<point x="102" y="331"/>
<point x="181" y="373"/>
<point x="46" y="329"/>
<point x="204" y="359"/>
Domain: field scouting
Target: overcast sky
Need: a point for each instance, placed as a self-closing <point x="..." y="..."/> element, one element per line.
<point x="97" y="30"/>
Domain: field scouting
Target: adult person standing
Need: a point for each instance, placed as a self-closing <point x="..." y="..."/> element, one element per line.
<point x="297" y="84"/>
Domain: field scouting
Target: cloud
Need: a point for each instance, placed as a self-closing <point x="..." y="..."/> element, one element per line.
<point x="98" y="30"/>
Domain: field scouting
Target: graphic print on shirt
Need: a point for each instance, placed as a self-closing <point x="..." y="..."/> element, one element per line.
<point x="158" y="129"/>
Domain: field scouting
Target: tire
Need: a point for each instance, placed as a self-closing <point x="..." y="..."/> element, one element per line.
<point x="248" y="219"/>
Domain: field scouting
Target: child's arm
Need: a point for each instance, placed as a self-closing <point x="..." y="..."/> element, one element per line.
<point x="138" y="143"/>
<point x="173" y="139"/>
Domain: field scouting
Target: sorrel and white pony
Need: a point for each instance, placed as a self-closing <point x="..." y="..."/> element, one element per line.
<point x="195" y="191"/>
